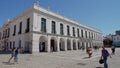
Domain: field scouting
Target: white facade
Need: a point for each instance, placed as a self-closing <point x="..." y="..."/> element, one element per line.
<point x="41" y="38"/>
<point x="116" y="38"/>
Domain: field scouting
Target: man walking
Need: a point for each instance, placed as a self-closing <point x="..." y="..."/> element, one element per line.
<point x="113" y="49"/>
<point x="105" y="55"/>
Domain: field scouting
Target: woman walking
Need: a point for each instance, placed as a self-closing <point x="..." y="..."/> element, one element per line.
<point x="12" y="55"/>
<point x="16" y="55"/>
<point x="89" y="52"/>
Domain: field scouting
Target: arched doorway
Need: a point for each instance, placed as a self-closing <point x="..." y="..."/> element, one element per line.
<point x="83" y="46"/>
<point x="68" y="44"/>
<point x="79" y="46"/>
<point x="87" y="45"/>
<point x="62" y="44"/>
<point x="90" y="45"/>
<point x="43" y="44"/>
<point x="74" y="45"/>
<point x="53" y="44"/>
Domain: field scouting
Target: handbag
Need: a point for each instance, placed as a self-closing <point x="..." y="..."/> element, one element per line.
<point x="101" y="61"/>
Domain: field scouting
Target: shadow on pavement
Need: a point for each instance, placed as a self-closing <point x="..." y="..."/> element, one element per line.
<point x="8" y="63"/>
<point x="83" y="64"/>
<point x="99" y="67"/>
<point x="85" y="57"/>
<point x="4" y="52"/>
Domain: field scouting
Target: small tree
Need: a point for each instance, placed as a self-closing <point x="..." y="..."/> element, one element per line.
<point x="107" y="42"/>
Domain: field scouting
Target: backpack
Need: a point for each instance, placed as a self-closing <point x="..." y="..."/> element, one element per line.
<point x="105" y="53"/>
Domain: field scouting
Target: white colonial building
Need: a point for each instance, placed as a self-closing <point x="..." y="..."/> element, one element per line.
<point x="40" y="30"/>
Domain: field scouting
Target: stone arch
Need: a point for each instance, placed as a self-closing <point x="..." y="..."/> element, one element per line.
<point x="62" y="44"/>
<point x="90" y="44"/>
<point x="53" y="44"/>
<point x="74" y="44"/>
<point x="43" y="44"/>
<point x="87" y="45"/>
<point x="68" y="44"/>
<point x="79" y="45"/>
<point x="83" y="45"/>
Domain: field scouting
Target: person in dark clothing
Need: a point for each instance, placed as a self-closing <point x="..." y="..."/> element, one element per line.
<point x="113" y="49"/>
<point x="105" y="55"/>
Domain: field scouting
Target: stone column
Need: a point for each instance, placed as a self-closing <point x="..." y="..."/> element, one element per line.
<point x="71" y="44"/>
<point x="58" y="44"/>
<point x="35" y="46"/>
<point x="48" y="45"/>
<point x="65" y="45"/>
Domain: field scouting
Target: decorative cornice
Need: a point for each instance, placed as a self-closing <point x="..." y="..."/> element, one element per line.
<point x="58" y="16"/>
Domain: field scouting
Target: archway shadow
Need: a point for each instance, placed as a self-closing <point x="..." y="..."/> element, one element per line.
<point x="8" y="63"/>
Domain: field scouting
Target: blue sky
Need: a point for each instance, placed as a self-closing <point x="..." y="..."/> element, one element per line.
<point x="101" y="14"/>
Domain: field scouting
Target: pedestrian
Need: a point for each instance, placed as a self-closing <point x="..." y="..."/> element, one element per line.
<point x="12" y="55"/>
<point x="105" y="55"/>
<point x="113" y="49"/>
<point x="16" y="56"/>
<point x="89" y="52"/>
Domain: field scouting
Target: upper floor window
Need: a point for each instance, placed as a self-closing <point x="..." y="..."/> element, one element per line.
<point x="68" y="30"/>
<point x="14" y="30"/>
<point x="8" y="32"/>
<point x="61" y="29"/>
<point x="82" y="33"/>
<point x="28" y="25"/>
<point x="115" y="39"/>
<point x="53" y="27"/>
<point x="78" y="33"/>
<point x="3" y="35"/>
<point x="92" y="35"/>
<point x="86" y="34"/>
<point x="73" y="31"/>
<point x="20" y="28"/>
<point x="89" y="34"/>
<point x="43" y="25"/>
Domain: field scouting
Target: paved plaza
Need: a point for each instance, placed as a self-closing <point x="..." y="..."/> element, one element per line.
<point x="64" y="59"/>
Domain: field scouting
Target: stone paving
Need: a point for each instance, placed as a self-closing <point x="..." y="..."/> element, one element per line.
<point x="68" y="59"/>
